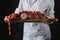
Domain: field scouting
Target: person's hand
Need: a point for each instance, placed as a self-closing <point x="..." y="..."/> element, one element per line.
<point x="6" y="19"/>
<point x="10" y="17"/>
<point x="48" y="18"/>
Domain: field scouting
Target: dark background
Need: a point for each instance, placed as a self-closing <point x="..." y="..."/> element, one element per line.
<point x="8" y="6"/>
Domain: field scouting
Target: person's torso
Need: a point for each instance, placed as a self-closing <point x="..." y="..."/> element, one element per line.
<point x="32" y="28"/>
<point x="37" y="5"/>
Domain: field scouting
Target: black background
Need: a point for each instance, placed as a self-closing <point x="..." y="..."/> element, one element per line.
<point x="8" y="6"/>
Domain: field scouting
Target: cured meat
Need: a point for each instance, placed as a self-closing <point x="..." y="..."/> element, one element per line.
<point x="32" y="15"/>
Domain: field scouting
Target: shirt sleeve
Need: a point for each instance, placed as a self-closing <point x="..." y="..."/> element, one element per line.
<point x="51" y="8"/>
<point x="19" y="8"/>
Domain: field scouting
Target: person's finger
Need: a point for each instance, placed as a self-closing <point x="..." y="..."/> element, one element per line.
<point x="49" y="17"/>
